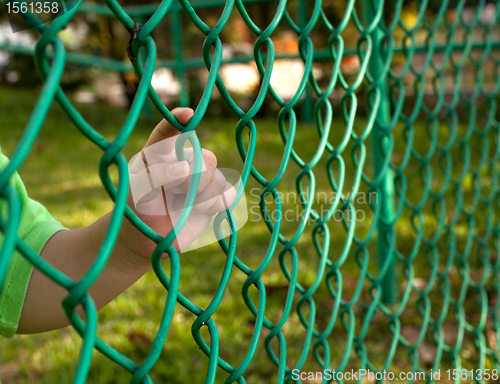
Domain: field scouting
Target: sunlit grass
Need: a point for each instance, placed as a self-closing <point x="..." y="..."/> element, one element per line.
<point x="61" y="172"/>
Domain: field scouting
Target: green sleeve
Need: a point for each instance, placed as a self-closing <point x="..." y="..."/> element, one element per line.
<point x="35" y="228"/>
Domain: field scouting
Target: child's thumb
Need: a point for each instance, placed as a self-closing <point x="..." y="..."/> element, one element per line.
<point x="165" y="130"/>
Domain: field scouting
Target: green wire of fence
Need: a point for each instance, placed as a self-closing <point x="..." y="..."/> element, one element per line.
<point x="446" y="194"/>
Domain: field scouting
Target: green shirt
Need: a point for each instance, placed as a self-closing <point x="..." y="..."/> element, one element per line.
<point x="35" y="228"/>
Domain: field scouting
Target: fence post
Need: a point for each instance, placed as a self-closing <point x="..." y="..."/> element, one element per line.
<point x="148" y="110"/>
<point x="380" y="145"/>
<point x="180" y="69"/>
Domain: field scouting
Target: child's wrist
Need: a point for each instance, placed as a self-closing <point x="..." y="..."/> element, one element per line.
<point x="128" y="259"/>
<point x="123" y="257"/>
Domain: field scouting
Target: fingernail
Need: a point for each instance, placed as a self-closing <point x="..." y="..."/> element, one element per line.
<point x="178" y="169"/>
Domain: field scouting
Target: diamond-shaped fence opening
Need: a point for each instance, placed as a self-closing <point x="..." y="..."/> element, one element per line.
<point x="389" y="259"/>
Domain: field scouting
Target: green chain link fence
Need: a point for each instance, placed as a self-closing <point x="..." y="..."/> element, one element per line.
<point x="419" y="132"/>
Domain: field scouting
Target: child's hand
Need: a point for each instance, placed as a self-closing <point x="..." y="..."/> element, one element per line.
<point x="157" y="167"/>
<point x="73" y="252"/>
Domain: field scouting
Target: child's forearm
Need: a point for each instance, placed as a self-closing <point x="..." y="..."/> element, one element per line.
<point x="73" y="252"/>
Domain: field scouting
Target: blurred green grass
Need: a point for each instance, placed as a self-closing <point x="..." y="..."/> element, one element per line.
<point x="61" y="172"/>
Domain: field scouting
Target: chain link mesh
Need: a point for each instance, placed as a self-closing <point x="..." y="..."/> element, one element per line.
<point x="419" y="133"/>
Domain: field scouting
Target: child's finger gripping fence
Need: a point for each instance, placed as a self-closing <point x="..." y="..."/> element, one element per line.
<point x="413" y="269"/>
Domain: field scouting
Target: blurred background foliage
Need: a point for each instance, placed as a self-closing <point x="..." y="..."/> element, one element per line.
<point x="105" y="37"/>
